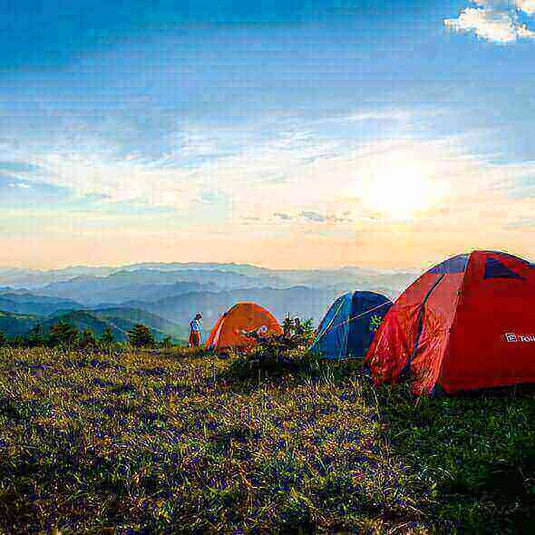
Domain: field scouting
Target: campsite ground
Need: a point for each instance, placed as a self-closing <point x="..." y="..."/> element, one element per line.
<point x="181" y="442"/>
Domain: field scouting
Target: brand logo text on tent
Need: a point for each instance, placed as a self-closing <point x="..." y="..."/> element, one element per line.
<point x="262" y="330"/>
<point x="514" y="338"/>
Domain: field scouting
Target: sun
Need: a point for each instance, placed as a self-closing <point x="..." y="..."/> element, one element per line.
<point x="399" y="188"/>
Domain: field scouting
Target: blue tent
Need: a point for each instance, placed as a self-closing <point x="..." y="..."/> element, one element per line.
<point x="347" y="330"/>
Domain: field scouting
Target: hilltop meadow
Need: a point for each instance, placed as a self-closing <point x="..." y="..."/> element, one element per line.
<point x="178" y="441"/>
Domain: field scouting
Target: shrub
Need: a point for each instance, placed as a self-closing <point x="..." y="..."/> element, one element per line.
<point x="87" y="340"/>
<point x="35" y="337"/>
<point x="18" y="341"/>
<point x="300" y="333"/>
<point x="63" y="334"/>
<point x="107" y="339"/>
<point x="141" y="336"/>
<point x="276" y="354"/>
<point x="166" y="343"/>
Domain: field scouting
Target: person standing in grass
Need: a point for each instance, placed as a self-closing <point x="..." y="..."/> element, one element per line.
<point x="195" y="331"/>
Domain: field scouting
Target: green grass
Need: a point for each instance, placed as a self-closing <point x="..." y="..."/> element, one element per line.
<point x="182" y="442"/>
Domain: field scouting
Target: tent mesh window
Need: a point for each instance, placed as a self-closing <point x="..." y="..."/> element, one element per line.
<point x="494" y="269"/>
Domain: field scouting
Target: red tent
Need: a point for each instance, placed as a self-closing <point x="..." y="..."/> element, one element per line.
<point x="467" y="323"/>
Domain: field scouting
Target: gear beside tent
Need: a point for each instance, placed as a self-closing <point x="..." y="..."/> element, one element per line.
<point x="235" y="326"/>
<point x="467" y="323"/>
<point x="347" y="329"/>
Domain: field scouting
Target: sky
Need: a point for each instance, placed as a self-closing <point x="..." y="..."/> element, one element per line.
<point x="291" y="134"/>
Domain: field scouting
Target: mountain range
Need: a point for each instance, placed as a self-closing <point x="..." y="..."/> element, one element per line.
<point x="166" y="296"/>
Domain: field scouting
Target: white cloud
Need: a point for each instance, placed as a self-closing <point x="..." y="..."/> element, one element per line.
<point x="197" y="144"/>
<point x="302" y="191"/>
<point x="297" y="182"/>
<point x="495" y="20"/>
<point x="486" y="24"/>
<point x="391" y="180"/>
<point x="379" y="115"/>
<point x="527" y="6"/>
<point x="19" y="185"/>
<point x="180" y="182"/>
<point x="136" y="183"/>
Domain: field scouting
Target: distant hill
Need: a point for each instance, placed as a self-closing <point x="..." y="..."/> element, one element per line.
<point x="244" y="269"/>
<point x="83" y="319"/>
<point x="23" y="302"/>
<point x="34" y="279"/>
<point x="149" y="285"/>
<point x="13" y="325"/>
<point x="124" y="317"/>
<point x="120" y="321"/>
<point x="144" y="284"/>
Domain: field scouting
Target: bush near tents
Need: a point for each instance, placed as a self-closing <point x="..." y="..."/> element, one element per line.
<point x="275" y="354"/>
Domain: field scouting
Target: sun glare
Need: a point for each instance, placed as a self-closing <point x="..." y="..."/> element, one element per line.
<point x="399" y="189"/>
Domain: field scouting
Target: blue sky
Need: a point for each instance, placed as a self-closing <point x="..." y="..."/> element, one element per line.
<point x="389" y="133"/>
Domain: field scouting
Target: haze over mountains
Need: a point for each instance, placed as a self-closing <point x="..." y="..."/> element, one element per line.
<point x="165" y="296"/>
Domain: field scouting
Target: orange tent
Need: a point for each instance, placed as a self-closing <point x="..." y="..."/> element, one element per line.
<point x="231" y="329"/>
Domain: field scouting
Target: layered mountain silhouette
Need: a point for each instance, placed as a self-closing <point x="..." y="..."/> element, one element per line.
<point x="166" y="296"/>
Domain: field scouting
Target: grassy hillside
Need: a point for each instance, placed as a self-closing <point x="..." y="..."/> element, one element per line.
<point x="120" y="322"/>
<point x="82" y="319"/>
<point x="118" y="319"/>
<point x="180" y="442"/>
<point x="136" y="315"/>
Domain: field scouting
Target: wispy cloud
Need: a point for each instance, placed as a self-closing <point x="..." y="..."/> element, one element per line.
<point x="293" y="186"/>
<point x="318" y="217"/>
<point x="13" y="167"/>
<point x="294" y="176"/>
<point x="206" y="168"/>
<point x="320" y="207"/>
<point x="528" y="6"/>
<point x="379" y="115"/>
<point x="283" y="216"/>
<point x="311" y="215"/>
<point x="527" y="223"/>
<point x="497" y="21"/>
